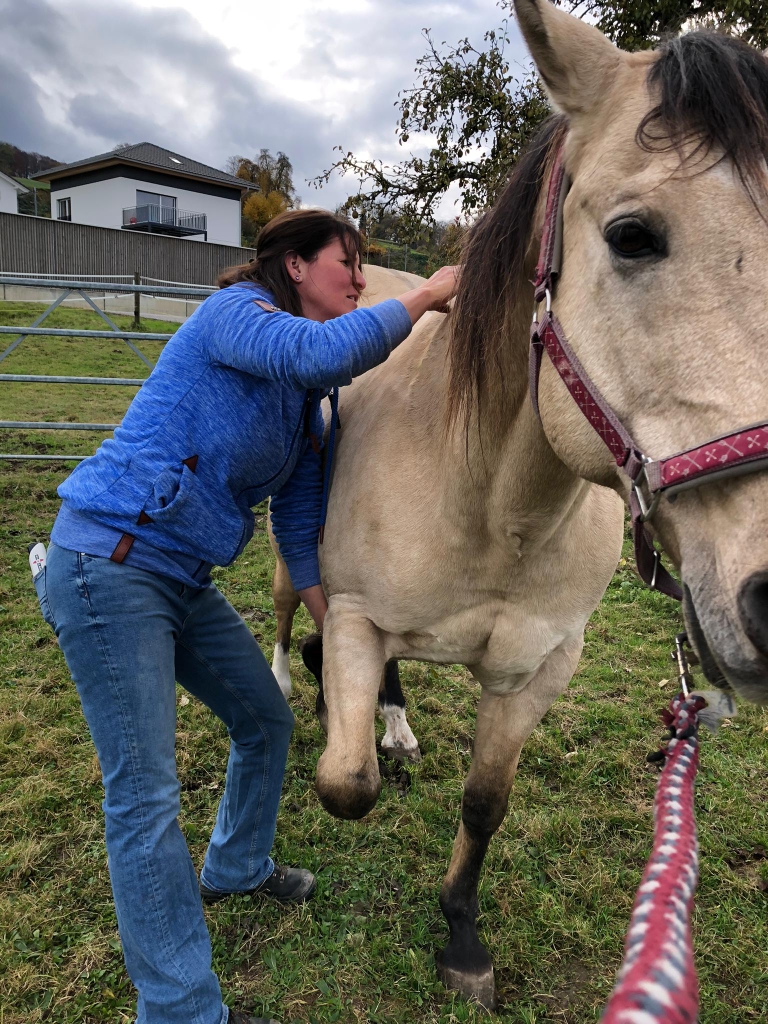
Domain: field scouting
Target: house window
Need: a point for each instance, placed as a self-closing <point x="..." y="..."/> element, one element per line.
<point x="64" y="209"/>
<point x="156" y="208"/>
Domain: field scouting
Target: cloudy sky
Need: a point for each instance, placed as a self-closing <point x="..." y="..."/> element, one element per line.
<point x="213" y="78"/>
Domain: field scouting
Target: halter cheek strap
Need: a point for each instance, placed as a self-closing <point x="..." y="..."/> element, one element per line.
<point x="744" y="451"/>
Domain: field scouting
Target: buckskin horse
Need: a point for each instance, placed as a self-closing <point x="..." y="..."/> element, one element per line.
<point x="476" y="520"/>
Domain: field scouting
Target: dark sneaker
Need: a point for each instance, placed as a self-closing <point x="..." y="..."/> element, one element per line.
<point x="286" y="885"/>
<point x="242" y="1018"/>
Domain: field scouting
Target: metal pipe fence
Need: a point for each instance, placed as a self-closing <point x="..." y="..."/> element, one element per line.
<point x="71" y="277"/>
<point x="81" y="286"/>
<point x="36" y="378"/>
<point x="188" y="291"/>
<point x="66" y="332"/>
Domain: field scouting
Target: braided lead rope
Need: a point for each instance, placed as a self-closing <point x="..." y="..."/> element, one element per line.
<point x="657" y="983"/>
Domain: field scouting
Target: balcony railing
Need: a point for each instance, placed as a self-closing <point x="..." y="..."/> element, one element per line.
<point x="165" y="220"/>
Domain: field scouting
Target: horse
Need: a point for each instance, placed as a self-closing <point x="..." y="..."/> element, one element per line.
<point x="469" y="524"/>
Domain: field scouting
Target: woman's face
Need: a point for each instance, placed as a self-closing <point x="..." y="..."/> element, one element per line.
<point x="329" y="285"/>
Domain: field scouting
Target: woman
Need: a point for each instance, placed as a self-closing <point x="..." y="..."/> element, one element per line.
<point x="230" y="414"/>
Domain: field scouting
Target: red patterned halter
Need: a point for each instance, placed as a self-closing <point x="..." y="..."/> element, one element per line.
<point x="744" y="451"/>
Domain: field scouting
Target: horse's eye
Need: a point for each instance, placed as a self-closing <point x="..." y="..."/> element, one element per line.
<point x="632" y="239"/>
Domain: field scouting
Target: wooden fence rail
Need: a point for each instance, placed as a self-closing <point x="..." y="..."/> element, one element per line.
<point x="36" y="245"/>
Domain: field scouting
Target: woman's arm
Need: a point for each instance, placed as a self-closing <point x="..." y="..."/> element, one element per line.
<point x="316" y="603"/>
<point x="295" y="516"/>
<point x="306" y="354"/>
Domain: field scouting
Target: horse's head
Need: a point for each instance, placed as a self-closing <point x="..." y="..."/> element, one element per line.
<point x="663" y="296"/>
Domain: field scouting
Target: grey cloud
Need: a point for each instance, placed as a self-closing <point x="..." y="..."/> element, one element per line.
<point x="155" y="75"/>
<point x="139" y="75"/>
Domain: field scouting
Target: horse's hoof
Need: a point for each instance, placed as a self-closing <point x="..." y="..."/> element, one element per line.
<point x="398" y="740"/>
<point x="476" y="986"/>
<point x="400" y="753"/>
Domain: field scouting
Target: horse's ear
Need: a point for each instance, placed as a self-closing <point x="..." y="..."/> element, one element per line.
<point x="575" y="60"/>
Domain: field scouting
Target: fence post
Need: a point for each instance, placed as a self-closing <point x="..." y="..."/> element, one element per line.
<point x="405" y="261"/>
<point x="137" y="303"/>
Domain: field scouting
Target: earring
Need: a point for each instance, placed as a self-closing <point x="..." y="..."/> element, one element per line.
<point x="298" y="278"/>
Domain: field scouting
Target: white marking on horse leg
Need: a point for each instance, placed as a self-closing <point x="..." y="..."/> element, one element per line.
<point x="398" y="738"/>
<point x="281" y="669"/>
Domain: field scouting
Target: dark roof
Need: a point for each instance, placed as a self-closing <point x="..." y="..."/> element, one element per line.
<point x="147" y="155"/>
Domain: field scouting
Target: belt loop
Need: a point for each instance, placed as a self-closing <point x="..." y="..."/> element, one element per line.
<point x="122" y="548"/>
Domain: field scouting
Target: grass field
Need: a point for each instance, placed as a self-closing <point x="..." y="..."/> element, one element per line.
<point x="561" y="874"/>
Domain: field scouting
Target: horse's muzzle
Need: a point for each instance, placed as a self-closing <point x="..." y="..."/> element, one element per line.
<point x="731" y="659"/>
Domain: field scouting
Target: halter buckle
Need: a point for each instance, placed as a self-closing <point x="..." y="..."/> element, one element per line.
<point x="647" y="505"/>
<point x="547" y="305"/>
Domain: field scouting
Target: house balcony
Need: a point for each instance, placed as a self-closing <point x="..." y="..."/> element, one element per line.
<point x="165" y="220"/>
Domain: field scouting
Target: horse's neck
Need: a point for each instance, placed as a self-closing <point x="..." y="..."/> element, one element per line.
<point x="502" y="470"/>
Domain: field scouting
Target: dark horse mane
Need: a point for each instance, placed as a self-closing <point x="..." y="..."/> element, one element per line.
<point x="712" y="94"/>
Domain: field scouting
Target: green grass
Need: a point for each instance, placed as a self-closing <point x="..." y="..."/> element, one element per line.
<point x="560" y="876"/>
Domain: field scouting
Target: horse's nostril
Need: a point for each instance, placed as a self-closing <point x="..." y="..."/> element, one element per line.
<point x="753" y="609"/>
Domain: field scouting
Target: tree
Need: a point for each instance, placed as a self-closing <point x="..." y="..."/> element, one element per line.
<point x="18" y="163"/>
<point x="274" y="177"/>
<point x="640" y="25"/>
<point x="480" y="113"/>
<point x="480" y="116"/>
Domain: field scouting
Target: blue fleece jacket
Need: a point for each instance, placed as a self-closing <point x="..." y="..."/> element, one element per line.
<point x="223" y="421"/>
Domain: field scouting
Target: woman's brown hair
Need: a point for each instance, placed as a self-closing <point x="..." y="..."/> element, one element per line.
<point x="304" y="232"/>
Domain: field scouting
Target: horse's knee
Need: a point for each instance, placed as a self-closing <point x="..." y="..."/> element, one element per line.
<point x="483" y="807"/>
<point x="345" y="792"/>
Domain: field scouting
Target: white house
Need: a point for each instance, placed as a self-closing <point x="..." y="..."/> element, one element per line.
<point x="147" y="188"/>
<point x="10" y="191"/>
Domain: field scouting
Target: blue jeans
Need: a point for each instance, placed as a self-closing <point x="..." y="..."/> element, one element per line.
<point x="128" y="635"/>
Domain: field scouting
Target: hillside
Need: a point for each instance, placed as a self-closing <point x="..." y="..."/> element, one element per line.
<point x="17" y="163"/>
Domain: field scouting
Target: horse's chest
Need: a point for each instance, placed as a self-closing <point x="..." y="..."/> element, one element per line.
<point x="502" y="643"/>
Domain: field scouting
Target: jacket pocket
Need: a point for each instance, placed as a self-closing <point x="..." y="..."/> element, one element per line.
<point x="192" y="515"/>
<point x="170" y="492"/>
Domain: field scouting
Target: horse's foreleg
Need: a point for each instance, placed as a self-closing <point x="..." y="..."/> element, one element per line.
<point x="348" y="781"/>
<point x="504" y="723"/>
<point x="286" y="602"/>
<point x="398" y="740"/>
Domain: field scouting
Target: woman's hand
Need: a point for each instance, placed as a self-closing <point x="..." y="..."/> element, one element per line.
<point x="434" y="294"/>
<point x="442" y="287"/>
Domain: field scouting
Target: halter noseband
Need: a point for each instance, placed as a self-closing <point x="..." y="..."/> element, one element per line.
<point x="744" y="451"/>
